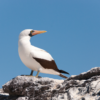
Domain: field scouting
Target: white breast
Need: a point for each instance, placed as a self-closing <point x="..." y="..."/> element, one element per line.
<point x="26" y="58"/>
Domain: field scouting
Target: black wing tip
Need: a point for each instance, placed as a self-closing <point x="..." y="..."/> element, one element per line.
<point x="62" y="71"/>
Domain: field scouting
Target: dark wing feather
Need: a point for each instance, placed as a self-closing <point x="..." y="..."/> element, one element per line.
<point x="47" y="64"/>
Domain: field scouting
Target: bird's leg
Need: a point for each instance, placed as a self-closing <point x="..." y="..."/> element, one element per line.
<point x="37" y="74"/>
<point x="31" y="73"/>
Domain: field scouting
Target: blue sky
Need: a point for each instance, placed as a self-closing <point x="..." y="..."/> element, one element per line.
<point x="72" y="38"/>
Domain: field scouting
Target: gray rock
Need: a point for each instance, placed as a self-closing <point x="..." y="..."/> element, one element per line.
<point x="85" y="86"/>
<point x="31" y="87"/>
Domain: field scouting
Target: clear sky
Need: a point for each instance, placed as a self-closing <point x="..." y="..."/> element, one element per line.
<point x="72" y="38"/>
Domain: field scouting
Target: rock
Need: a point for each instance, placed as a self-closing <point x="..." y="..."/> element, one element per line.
<point x="86" y="75"/>
<point x="3" y="95"/>
<point x="85" y="86"/>
<point x="31" y="86"/>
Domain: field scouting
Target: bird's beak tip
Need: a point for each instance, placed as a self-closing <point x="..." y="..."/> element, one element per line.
<point x="44" y="31"/>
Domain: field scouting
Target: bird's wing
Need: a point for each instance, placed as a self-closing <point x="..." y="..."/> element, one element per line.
<point x="40" y="53"/>
<point x="44" y="59"/>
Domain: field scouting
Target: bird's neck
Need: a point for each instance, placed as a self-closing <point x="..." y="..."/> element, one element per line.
<point x="24" y="41"/>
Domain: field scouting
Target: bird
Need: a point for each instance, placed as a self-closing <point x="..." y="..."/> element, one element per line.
<point x="36" y="58"/>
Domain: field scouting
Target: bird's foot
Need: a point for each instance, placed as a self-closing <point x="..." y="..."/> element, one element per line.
<point x="36" y="76"/>
<point x="27" y="75"/>
<point x="32" y="76"/>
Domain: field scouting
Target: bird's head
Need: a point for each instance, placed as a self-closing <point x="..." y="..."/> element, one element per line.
<point x="28" y="33"/>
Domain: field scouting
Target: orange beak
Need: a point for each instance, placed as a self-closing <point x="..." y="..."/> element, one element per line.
<point x="38" y="32"/>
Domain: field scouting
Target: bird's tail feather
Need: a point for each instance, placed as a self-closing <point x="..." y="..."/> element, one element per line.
<point x="62" y="71"/>
<point x="62" y="76"/>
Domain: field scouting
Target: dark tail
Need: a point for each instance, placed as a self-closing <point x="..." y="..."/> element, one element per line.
<point x="63" y="76"/>
<point x="62" y="71"/>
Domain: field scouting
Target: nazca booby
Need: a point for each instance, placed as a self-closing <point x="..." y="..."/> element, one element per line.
<point x="35" y="58"/>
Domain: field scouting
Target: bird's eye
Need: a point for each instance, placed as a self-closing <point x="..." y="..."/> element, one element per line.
<point x="32" y="31"/>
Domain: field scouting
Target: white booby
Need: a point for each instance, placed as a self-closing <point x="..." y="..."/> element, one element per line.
<point x="35" y="58"/>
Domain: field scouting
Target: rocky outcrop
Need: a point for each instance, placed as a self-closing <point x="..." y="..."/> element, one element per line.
<point x="85" y="86"/>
